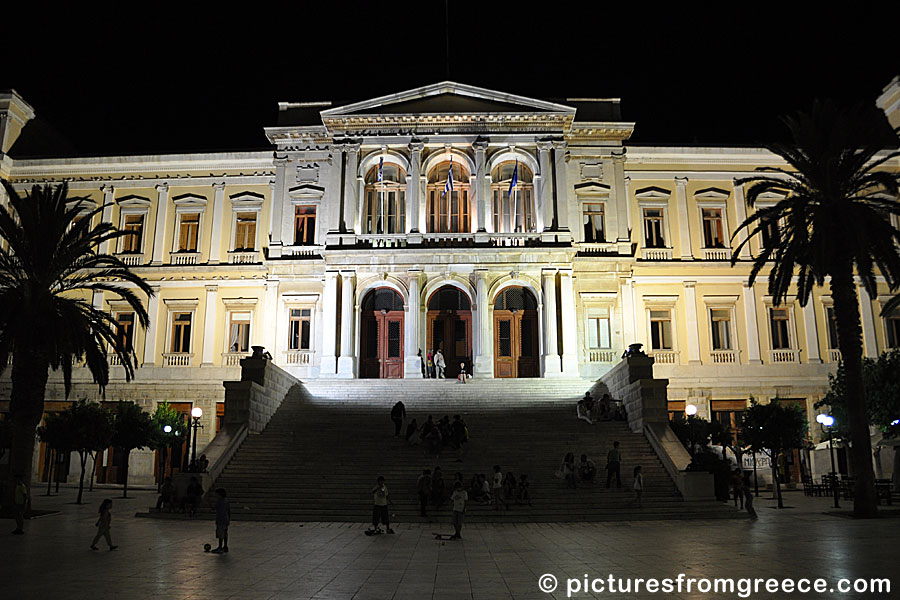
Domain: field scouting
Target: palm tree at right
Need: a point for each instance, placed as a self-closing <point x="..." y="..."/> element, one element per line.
<point x="833" y="224"/>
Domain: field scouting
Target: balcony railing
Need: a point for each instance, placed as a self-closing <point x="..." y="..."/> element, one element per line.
<point x="599" y="248"/>
<point x="787" y="355"/>
<point x="177" y="359"/>
<point x="495" y="240"/>
<point x="243" y="257"/>
<point x="656" y="253"/>
<point x="716" y="254"/>
<point x="298" y="357"/>
<point x="834" y="355"/>
<point x="233" y="359"/>
<point x="114" y="360"/>
<point x="130" y="259"/>
<point x="665" y="357"/>
<point x="605" y="356"/>
<point x="185" y="258"/>
<point x="723" y="357"/>
<point x="304" y="251"/>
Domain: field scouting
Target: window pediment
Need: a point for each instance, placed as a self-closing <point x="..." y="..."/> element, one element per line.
<point x="592" y="187"/>
<point x="711" y="193"/>
<point x="133" y="201"/>
<point x="189" y="201"/>
<point x="652" y="193"/>
<point x="246" y="201"/>
<point x="306" y="191"/>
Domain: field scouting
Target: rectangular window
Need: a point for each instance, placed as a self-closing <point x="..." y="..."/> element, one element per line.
<point x="134" y="226"/>
<point x="299" y="329"/>
<point x="593" y="223"/>
<point x="245" y="231"/>
<point x="653" y="228"/>
<point x="720" y="323"/>
<point x="188" y="233"/>
<point x="832" y="328"/>
<point x="304" y="226"/>
<point x="713" y="228"/>
<point x="892" y="325"/>
<point x="239" y="332"/>
<point x="771" y="234"/>
<point x="598" y="333"/>
<point x="125" y="331"/>
<point x="181" y="332"/>
<point x="661" y="329"/>
<point x="780" y="321"/>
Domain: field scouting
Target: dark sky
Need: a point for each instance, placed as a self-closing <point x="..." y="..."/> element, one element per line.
<point x="181" y="78"/>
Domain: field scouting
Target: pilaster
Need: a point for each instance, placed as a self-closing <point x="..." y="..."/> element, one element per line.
<point x="328" y="367"/>
<point x="684" y="226"/>
<point x="481" y="195"/>
<point x="545" y="193"/>
<point x="751" y="323"/>
<point x="276" y="229"/>
<point x="569" y="316"/>
<point x="150" y="333"/>
<point x="690" y="321"/>
<point x="623" y="218"/>
<point x="561" y="196"/>
<point x="218" y="210"/>
<point x="346" y="366"/>
<point x="210" y="318"/>
<point x="269" y="318"/>
<point x="552" y="365"/>
<point x="159" y="231"/>
<point x="812" y="333"/>
<point x="867" y="320"/>
<point x="351" y="188"/>
<point x="108" y="202"/>
<point x="483" y="340"/>
<point x="626" y="297"/>
<point x="412" y="363"/>
<point x="740" y="214"/>
<point x="412" y="185"/>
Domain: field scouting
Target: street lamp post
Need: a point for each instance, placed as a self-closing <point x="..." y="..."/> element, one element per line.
<point x="828" y="421"/>
<point x="196" y="413"/>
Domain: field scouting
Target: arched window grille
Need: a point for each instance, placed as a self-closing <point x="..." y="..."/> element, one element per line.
<point x="512" y="212"/>
<point x="385" y="200"/>
<point x="448" y="213"/>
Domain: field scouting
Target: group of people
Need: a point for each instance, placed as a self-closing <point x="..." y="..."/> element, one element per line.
<point x="740" y="485"/>
<point x="433" y="364"/>
<point x="188" y="502"/>
<point x="434" y="436"/>
<point x="501" y="490"/>
<point x="586" y="471"/>
<point x="590" y="410"/>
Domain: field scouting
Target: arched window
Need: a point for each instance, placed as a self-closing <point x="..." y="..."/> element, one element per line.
<point x="515" y="298"/>
<point x="512" y="212"/>
<point x="385" y="200"/>
<point x="448" y="213"/>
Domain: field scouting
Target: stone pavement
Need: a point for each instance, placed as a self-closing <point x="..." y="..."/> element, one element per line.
<point x="165" y="559"/>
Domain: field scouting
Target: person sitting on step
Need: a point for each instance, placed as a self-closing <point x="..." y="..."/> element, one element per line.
<point x="586" y="469"/>
<point x="585" y="408"/>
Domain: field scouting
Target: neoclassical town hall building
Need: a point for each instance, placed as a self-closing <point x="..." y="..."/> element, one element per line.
<point x="345" y="251"/>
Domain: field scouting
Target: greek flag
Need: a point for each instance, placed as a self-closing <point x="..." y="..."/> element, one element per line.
<point x="381" y="169"/>
<point x="448" y="187"/>
<point x="515" y="179"/>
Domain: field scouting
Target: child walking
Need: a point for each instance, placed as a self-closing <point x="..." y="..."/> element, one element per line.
<point x="638" y="486"/>
<point x="223" y="519"/>
<point x="103" y="524"/>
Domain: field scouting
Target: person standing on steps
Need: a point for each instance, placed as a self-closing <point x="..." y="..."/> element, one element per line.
<point x="459" y="499"/>
<point x="439" y="363"/>
<point x="380" y="512"/>
<point x="497" y="487"/>
<point x="430" y="365"/>
<point x="423" y="489"/>
<point x="422" y="362"/>
<point x="638" y="486"/>
<point x="398" y="415"/>
<point x="103" y="525"/>
<point x="614" y="465"/>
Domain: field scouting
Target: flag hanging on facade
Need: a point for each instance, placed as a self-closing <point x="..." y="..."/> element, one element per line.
<point x="515" y="179"/>
<point x="448" y="187"/>
<point x="381" y="169"/>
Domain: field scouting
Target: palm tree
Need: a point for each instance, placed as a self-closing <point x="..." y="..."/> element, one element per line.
<point x="50" y="263"/>
<point x="834" y="222"/>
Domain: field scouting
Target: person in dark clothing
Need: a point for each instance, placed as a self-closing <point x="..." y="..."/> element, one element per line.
<point x="614" y="465"/>
<point x="423" y="489"/>
<point x="411" y="430"/>
<point x="166" y="494"/>
<point x="398" y="415"/>
<point x="193" y="496"/>
<point x="223" y="519"/>
<point x="748" y="495"/>
<point x="438" y="490"/>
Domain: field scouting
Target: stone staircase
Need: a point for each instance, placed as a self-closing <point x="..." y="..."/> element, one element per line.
<point x="322" y="450"/>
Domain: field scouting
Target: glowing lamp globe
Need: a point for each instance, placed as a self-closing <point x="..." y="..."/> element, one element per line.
<point x="690" y="410"/>
<point x="196" y="412"/>
<point x="820" y="418"/>
<point x="828" y="421"/>
<point x="167" y="429"/>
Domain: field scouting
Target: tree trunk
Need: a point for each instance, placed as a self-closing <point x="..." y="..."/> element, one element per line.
<point x="94" y="456"/>
<point x="776" y="481"/>
<point x="846" y="314"/>
<point x="83" y="456"/>
<point x="26" y="408"/>
<point x="125" y="483"/>
<point x="49" y="471"/>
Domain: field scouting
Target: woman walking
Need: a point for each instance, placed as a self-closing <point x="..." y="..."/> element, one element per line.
<point x="103" y="524"/>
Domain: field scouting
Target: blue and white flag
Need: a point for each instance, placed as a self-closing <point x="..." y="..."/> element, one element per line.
<point x="515" y="179"/>
<point x="448" y="187"/>
<point x="381" y="169"/>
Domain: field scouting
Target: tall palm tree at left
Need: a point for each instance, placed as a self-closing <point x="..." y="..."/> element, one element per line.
<point x="51" y="261"/>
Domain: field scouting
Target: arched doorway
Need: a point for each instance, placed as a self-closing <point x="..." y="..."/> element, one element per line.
<point x="515" y="334"/>
<point x="381" y="335"/>
<point x="450" y="327"/>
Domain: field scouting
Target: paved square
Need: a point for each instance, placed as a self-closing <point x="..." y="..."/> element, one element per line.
<point x="165" y="558"/>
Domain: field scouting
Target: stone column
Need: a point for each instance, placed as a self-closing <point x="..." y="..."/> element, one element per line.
<point x="750" y="321"/>
<point x="684" y="226"/>
<point x="552" y="365"/>
<point x="690" y="321"/>
<point x="481" y="194"/>
<point x="569" y="317"/>
<point x="740" y="214"/>
<point x="412" y="364"/>
<point x="218" y="215"/>
<point x="347" y="360"/>
<point x="545" y="193"/>
<point x="561" y="186"/>
<point x="483" y="342"/>
<point x="328" y="367"/>
<point x="210" y="317"/>
<point x="159" y="231"/>
<point x="412" y="186"/>
<point x="150" y="333"/>
<point x="812" y="332"/>
<point x="276" y="242"/>
<point x="867" y="320"/>
<point x="351" y="188"/>
<point x="108" y="202"/>
<point x="270" y="318"/>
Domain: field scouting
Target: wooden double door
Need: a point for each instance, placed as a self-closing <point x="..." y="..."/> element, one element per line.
<point x="381" y="345"/>
<point x="515" y="343"/>
<point x="451" y="332"/>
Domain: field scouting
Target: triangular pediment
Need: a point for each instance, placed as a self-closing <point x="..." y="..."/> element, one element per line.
<point x="447" y="97"/>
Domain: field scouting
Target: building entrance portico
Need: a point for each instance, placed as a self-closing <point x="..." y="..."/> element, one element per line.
<point x="450" y="328"/>
<point x="381" y="335"/>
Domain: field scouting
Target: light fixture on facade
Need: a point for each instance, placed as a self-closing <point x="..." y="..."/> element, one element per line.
<point x="690" y="410"/>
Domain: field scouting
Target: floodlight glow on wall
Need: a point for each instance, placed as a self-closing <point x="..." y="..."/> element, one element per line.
<point x="690" y="410"/>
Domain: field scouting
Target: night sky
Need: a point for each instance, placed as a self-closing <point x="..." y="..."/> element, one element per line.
<point x="184" y="79"/>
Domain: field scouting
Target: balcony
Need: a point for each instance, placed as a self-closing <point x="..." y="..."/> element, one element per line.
<point x="185" y="258"/>
<point x="233" y="359"/>
<point x="601" y="356"/>
<point x="243" y="257"/>
<point x="298" y="357"/>
<point x="177" y="359"/>
<point x="303" y="251"/>
<point x="454" y="240"/>
<point x="598" y="248"/>
<point x="656" y="253"/>
<point x="785" y="355"/>
<point x="131" y="259"/>
<point x="665" y="357"/>
<point x="716" y="254"/>
<point x="113" y="359"/>
<point x="834" y="355"/>
<point x="723" y="357"/>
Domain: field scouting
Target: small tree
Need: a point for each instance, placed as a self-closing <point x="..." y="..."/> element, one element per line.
<point x="166" y="416"/>
<point x="774" y="428"/>
<point x="133" y="429"/>
<point x="90" y="428"/>
<point x="56" y="433"/>
<point x="693" y="431"/>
